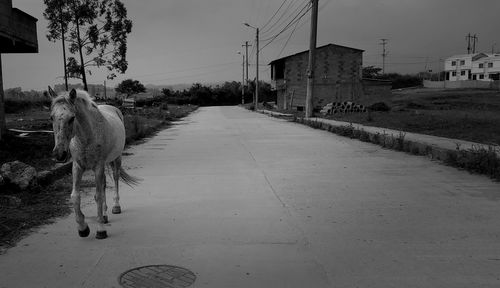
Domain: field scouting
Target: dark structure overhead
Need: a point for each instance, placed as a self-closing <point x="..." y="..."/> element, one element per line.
<point x="17" y="30"/>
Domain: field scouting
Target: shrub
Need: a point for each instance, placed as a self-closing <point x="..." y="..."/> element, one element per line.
<point x="379" y="106"/>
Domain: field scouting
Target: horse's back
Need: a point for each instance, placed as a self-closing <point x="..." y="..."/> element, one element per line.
<point x="115" y="131"/>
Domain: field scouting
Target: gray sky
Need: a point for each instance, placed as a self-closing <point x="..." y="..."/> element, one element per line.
<point x="185" y="41"/>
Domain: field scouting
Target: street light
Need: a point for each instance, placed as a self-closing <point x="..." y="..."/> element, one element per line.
<point x="242" y="79"/>
<point x="257" y="65"/>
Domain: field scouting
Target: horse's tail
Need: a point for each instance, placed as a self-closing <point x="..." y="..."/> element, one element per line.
<point x="129" y="179"/>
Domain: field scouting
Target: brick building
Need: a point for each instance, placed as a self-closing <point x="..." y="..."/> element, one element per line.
<point x="337" y="74"/>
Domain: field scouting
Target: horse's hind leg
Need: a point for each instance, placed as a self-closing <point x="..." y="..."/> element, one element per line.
<point x="116" y="165"/>
<point x="104" y="205"/>
<point x="100" y="180"/>
<point x="83" y="228"/>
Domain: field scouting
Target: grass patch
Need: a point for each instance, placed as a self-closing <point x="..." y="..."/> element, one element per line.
<point x="33" y="211"/>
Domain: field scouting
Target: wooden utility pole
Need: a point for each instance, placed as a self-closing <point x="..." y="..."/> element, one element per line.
<point x="474" y="40"/>
<point x="242" y="78"/>
<point x="257" y="69"/>
<point x="312" y="53"/>
<point x="384" y="53"/>
<point x="246" y="61"/>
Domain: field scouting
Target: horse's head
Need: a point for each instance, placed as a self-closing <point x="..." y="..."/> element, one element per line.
<point x="62" y="114"/>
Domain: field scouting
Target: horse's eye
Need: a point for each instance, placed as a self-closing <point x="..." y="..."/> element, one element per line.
<point x="71" y="120"/>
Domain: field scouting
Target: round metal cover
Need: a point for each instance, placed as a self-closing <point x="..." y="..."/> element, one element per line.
<point x="157" y="276"/>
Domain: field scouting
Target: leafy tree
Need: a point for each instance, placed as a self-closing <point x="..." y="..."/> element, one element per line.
<point x="96" y="30"/>
<point x="130" y="87"/>
<point x="371" y="72"/>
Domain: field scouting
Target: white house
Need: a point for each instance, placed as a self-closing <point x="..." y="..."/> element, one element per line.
<point x="478" y="66"/>
<point x="486" y="68"/>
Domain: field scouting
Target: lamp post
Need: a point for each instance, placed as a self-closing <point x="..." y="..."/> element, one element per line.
<point x="256" y="65"/>
<point x="242" y="79"/>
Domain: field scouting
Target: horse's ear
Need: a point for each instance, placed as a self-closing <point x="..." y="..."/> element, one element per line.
<point x="72" y="95"/>
<point x="52" y="93"/>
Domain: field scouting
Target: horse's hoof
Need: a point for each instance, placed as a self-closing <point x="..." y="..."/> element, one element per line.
<point x="105" y="219"/>
<point x="116" y="210"/>
<point x="101" y="235"/>
<point x="85" y="232"/>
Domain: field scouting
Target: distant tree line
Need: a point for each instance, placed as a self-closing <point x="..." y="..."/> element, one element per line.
<point x="228" y="93"/>
<point x="398" y="80"/>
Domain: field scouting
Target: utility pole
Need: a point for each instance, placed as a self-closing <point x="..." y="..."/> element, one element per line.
<point x="257" y="70"/>
<point x="468" y="43"/>
<point x="384" y="53"/>
<point x="474" y="40"/>
<point x="256" y="100"/>
<point x="242" y="78"/>
<point x="312" y="53"/>
<point x="105" y="97"/>
<point x="246" y="61"/>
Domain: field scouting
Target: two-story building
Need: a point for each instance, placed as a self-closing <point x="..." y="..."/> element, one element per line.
<point x="478" y="66"/>
<point x="486" y="68"/>
<point x="337" y="71"/>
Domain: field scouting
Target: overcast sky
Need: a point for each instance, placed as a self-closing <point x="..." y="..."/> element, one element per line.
<point x="185" y="41"/>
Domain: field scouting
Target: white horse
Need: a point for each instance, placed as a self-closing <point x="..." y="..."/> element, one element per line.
<point x="95" y="137"/>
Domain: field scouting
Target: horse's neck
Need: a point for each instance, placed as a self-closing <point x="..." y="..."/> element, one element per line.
<point x="88" y="125"/>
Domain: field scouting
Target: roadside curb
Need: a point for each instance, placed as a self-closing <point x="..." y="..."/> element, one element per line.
<point x="473" y="157"/>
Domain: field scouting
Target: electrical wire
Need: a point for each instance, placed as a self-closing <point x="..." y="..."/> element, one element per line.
<point x="296" y="19"/>
<point x="290" y="5"/>
<point x="276" y="12"/>
<point x="279" y="26"/>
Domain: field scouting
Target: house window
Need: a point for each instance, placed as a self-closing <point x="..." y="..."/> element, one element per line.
<point x="490" y="65"/>
<point x="481" y="76"/>
<point x="462" y="62"/>
<point x="453" y="63"/>
<point x="454" y="73"/>
<point x="481" y="65"/>
<point x="462" y="72"/>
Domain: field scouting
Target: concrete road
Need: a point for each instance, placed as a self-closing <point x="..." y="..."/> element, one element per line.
<point x="244" y="200"/>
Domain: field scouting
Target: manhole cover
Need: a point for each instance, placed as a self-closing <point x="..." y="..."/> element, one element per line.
<point x="157" y="276"/>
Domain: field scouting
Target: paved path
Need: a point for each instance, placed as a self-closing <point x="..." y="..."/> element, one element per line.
<point x="245" y="200"/>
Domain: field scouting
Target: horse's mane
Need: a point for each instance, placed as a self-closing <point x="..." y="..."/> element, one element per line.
<point x="80" y="95"/>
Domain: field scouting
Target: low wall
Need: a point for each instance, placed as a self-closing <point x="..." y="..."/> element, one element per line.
<point x="462" y="84"/>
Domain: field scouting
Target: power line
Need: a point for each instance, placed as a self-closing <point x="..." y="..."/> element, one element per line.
<point x="294" y="20"/>
<point x="185" y="70"/>
<point x="276" y="12"/>
<point x="289" y="36"/>
<point x="299" y="26"/>
<point x="291" y="4"/>
<point x="279" y="25"/>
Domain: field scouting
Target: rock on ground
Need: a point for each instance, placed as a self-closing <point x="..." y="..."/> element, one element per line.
<point x="19" y="174"/>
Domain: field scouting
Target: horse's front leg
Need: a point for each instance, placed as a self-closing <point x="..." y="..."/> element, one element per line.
<point x="83" y="228"/>
<point x="100" y="180"/>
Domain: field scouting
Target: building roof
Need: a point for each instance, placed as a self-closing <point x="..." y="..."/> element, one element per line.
<point x="307" y="51"/>
<point x="474" y="56"/>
